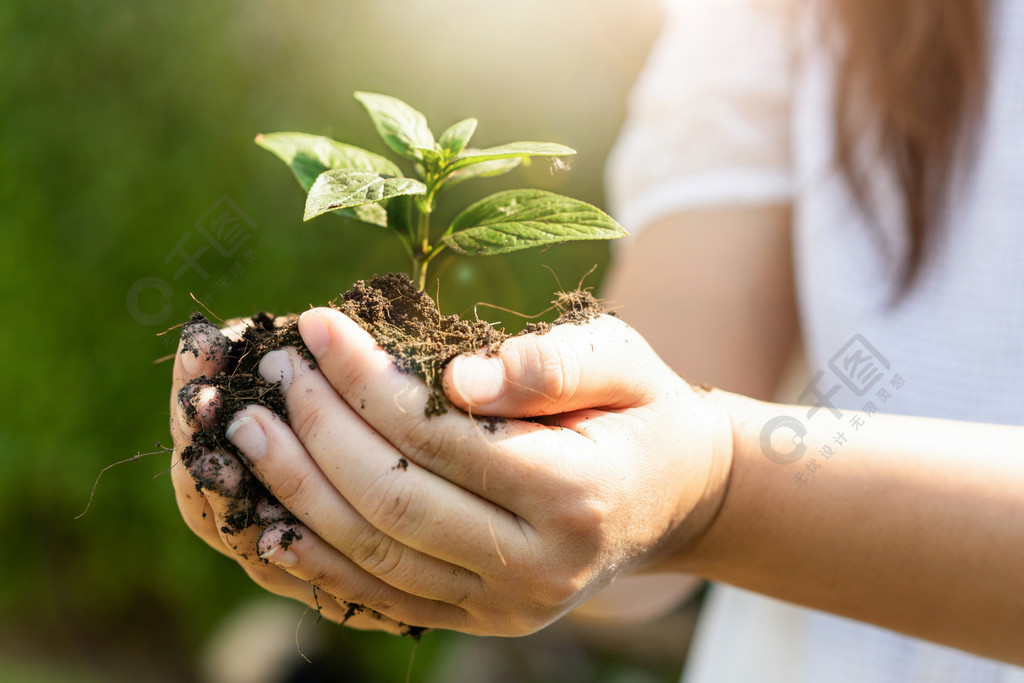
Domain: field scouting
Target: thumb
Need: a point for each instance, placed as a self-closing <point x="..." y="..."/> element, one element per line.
<point x="601" y="364"/>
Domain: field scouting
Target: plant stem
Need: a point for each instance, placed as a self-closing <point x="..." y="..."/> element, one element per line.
<point x="419" y="273"/>
<point x="421" y="242"/>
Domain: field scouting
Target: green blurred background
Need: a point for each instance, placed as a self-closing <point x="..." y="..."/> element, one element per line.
<point x="122" y="126"/>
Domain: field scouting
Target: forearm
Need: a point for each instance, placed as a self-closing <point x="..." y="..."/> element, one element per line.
<point x="711" y="290"/>
<point x="913" y="524"/>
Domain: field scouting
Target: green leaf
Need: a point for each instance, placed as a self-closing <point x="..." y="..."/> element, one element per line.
<point x="484" y="169"/>
<point x="402" y="128"/>
<point x="455" y="139"/>
<point x="310" y="155"/>
<point x="520" y="219"/>
<point x="374" y="214"/>
<point x="511" y="150"/>
<point x="340" y="189"/>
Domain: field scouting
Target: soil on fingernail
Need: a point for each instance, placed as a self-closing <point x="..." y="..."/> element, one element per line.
<point x="289" y="536"/>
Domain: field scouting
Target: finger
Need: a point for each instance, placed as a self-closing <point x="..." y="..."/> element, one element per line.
<point x="602" y="364"/>
<point x="197" y="406"/>
<point x="278" y="581"/>
<point x="307" y="557"/>
<point x="489" y="458"/>
<point x="201" y="351"/>
<point x="228" y="486"/>
<point x="281" y="462"/>
<point x="407" y="503"/>
<point x="195" y="509"/>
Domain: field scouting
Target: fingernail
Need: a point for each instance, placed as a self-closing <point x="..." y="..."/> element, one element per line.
<point x="276" y="368"/>
<point x="206" y="402"/>
<point x="218" y="472"/>
<point x="187" y="394"/>
<point x="268" y="513"/>
<point x="280" y="557"/>
<point x="190" y="361"/>
<point x="247" y="433"/>
<point x="478" y="379"/>
<point x="273" y="544"/>
<point x="314" y="331"/>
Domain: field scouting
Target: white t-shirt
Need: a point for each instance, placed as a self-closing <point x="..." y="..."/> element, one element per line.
<point x="735" y="107"/>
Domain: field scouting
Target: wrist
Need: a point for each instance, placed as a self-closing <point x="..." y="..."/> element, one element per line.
<point x="698" y="518"/>
<point x="722" y="538"/>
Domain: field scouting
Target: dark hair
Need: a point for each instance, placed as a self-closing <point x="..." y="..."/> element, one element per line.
<point x="913" y="74"/>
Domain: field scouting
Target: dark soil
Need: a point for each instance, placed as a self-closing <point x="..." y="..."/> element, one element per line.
<point x="405" y="322"/>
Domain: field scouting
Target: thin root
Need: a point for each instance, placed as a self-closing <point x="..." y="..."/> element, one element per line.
<point x="497" y="548"/>
<point x="487" y="467"/>
<point x="222" y="321"/>
<point x="164" y="450"/>
<point x="319" y="609"/>
<point x="172" y="327"/>
<point x="299" y="626"/>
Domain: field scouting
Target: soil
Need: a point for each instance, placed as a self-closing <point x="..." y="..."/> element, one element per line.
<point x="405" y="322"/>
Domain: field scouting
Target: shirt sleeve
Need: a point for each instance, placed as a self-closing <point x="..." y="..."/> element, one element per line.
<point x="708" y="120"/>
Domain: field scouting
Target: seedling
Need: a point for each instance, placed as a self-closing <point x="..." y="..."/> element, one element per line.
<point x="370" y="188"/>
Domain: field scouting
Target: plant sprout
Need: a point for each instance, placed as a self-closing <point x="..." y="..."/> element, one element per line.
<point x="370" y="188"/>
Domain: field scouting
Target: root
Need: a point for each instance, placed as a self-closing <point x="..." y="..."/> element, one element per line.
<point x="163" y="451"/>
<point x="577" y="306"/>
<point x="319" y="609"/>
<point x="412" y="658"/>
<point x="494" y="537"/>
<point x="525" y="316"/>
<point x="298" y="626"/>
<point x="173" y="327"/>
<point x="207" y="308"/>
<point x="487" y="467"/>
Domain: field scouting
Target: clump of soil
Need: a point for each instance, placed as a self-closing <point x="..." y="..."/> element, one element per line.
<point x="407" y="324"/>
<point x="574" y="308"/>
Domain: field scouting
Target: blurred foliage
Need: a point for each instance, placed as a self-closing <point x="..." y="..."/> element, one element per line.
<point x="121" y="125"/>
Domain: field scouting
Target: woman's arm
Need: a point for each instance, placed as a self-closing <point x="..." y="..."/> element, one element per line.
<point x="711" y="290"/>
<point x="913" y="524"/>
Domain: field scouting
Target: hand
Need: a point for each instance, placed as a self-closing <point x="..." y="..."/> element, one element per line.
<point x="213" y="488"/>
<point x="481" y="526"/>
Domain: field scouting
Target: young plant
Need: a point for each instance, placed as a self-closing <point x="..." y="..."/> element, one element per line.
<point x="370" y="188"/>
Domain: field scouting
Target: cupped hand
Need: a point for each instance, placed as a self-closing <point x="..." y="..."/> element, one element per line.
<point x="215" y="486"/>
<point x="478" y="521"/>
